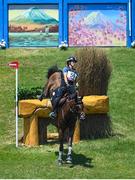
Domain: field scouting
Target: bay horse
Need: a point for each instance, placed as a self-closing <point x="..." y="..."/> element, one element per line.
<point x="68" y="110"/>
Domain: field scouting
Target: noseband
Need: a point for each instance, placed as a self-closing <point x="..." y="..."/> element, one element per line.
<point x="77" y="106"/>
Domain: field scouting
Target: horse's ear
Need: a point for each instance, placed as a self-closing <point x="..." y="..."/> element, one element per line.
<point x="52" y="70"/>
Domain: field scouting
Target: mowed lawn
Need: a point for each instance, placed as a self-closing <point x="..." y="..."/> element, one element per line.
<point x="112" y="157"/>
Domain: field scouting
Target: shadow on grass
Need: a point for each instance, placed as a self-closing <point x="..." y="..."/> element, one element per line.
<point x="78" y="159"/>
<point x="82" y="160"/>
<point x="117" y="135"/>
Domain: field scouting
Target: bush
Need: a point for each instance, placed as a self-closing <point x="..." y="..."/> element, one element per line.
<point x="24" y="93"/>
<point x="94" y="71"/>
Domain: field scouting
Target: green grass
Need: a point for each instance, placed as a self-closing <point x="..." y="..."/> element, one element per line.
<point x="102" y="158"/>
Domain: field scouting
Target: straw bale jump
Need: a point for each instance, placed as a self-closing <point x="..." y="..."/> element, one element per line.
<point x="35" y="116"/>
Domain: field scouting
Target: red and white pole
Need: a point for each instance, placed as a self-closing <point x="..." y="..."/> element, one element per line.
<point x="15" y="65"/>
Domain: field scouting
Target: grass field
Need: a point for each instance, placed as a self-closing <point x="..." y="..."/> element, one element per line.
<point x="103" y="158"/>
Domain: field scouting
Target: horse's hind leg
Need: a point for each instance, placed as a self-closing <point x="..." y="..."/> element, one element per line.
<point x="70" y="140"/>
<point x="61" y="137"/>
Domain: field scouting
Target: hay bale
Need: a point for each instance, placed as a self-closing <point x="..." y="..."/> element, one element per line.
<point x="96" y="126"/>
<point x="94" y="69"/>
<point x="94" y="74"/>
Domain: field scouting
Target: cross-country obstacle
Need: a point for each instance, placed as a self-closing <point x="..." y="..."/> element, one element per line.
<point x="35" y="116"/>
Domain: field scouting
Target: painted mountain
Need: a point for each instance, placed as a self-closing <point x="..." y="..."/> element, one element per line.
<point x="98" y="20"/>
<point x="34" y="15"/>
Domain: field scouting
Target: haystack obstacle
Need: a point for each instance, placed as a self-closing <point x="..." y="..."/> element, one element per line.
<point x="35" y="116"/>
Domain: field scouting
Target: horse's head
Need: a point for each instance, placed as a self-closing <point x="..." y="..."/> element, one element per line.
<point x="76" y="107"/>
<point x="54" y="80"/>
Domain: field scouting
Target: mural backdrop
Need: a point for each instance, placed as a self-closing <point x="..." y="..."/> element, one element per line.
<point x="97" y="25"/>
<point x="35" y="25"/>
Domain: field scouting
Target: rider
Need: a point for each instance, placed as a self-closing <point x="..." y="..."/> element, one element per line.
<point x="69" y="84"/>
<point x="70" y="75"/>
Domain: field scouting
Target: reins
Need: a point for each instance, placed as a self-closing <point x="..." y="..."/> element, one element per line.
<point x="70" y="109"/>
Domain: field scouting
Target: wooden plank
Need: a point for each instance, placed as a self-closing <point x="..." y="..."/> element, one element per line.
<point x="92" y="104"/>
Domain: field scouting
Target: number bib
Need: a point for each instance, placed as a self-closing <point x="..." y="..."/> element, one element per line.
<point x="71" y="76"/>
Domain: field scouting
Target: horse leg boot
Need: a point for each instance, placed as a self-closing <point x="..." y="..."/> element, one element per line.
<point x="61" y="136"/>
<point x="69" y="154"/>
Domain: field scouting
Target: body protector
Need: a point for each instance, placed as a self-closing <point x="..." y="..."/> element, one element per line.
<point x="71" y="75"/>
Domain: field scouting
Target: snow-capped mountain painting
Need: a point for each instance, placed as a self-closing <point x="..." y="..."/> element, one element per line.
<point x="97" y="19"/>
<point x="32" y="26"/>
<point x="34" y="15"/>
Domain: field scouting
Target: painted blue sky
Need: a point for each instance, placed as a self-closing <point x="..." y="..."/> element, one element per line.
<point x="28" y="6"/>
<point x="111" y="11"/>
<point x="99" y="7"/>
<point x="111" y="14"/>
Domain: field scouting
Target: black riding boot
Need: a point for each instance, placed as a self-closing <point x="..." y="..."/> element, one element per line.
<point x="55" y="103"/>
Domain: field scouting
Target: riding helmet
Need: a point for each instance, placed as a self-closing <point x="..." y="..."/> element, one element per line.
<point x="71" y="58"/>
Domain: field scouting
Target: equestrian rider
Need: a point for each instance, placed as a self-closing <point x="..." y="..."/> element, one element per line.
<point x="70" y="76"/>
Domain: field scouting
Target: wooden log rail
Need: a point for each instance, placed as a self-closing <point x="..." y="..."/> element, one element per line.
<point x="33" y="111"/>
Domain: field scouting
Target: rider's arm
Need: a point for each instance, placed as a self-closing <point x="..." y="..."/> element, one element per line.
<point x="65" y="71"/>
<point x="65" y="78"/>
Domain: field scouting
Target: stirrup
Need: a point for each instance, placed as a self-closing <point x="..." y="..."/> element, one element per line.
<point x="79" y="100"/>
<point x="82" y="116"/>
<point x="52" y="115"/>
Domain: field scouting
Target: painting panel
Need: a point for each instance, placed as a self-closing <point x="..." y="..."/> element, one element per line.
<point x="33" y="25"/>
<point x="97" y="25"/>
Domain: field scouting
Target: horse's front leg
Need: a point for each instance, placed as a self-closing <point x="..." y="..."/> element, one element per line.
<point x="61" y="138"/>
<point x="70" y="140"/>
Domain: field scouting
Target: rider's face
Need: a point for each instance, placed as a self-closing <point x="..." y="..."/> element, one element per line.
<point x="72" y="63"/>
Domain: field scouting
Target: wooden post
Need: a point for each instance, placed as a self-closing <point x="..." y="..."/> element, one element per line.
<point x="26" y="127"/>
<point x="33" y="134"/>
<point x="76" y="137"/>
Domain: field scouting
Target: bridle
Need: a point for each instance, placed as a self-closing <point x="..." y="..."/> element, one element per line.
<point x="73" y="109"/>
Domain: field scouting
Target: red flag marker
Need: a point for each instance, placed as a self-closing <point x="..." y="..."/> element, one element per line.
<point x="14" y="64"/>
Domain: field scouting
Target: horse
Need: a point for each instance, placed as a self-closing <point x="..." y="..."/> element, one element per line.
<point x="69" y="109"/>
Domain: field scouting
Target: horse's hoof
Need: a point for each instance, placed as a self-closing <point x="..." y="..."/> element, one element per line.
<point x="69" y="160"/>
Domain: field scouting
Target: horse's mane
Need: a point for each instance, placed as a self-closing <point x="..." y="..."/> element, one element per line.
<point x="52" y="70"/>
